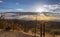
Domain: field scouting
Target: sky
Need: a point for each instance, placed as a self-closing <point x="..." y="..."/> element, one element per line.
<point x="30" y="6"/>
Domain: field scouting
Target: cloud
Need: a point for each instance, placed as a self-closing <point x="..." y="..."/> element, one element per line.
<point x="56" y="6"/>
<point x="6" y="10"/>
<point x="53" y="8"/>
<point x="47" y="8"/>
<point x="1" y="1"/>
<point x="58" y="3"/>
<point x="12" y="10"/>
<point x="17" y="3"/>
<point x="20" y="9"/>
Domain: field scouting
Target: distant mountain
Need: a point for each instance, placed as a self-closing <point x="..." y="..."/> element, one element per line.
<point x="16" y="15"/>
<point x="51" y="14"/>
<point x="21" y="13"/>
<point x="30" y="15"/>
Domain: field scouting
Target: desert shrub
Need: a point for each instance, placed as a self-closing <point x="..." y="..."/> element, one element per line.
<point x="3" y="24"/>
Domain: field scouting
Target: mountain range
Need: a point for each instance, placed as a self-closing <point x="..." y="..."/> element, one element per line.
<point x="30" y="15"/>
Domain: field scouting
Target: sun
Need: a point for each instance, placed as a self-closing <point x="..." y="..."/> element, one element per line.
<point x="41" y="9"/>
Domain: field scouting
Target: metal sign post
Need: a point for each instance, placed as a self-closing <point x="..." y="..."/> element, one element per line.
<point x="42" y="29"/>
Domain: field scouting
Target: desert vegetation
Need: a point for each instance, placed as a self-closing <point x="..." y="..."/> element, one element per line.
<point x="26" y="26"/>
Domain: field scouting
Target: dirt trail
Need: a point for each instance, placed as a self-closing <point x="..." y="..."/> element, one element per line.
<point x="13" y="34"/>
<point x="20" y="34"/>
